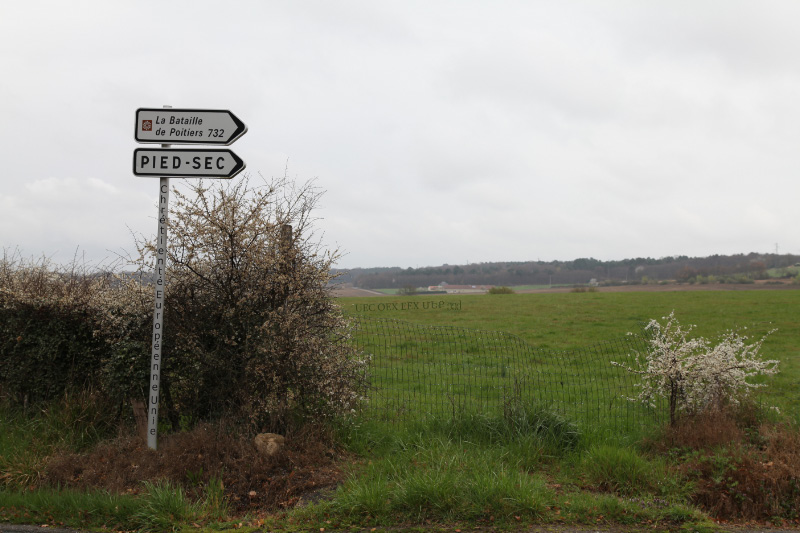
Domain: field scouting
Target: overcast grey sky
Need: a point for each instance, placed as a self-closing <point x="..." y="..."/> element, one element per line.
<point x="443" y="131"/>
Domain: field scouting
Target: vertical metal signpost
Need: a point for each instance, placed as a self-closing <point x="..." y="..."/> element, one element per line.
<point x="158" y="310"/>
<point x="158" y="313"/>
<point x="180" y="126"/>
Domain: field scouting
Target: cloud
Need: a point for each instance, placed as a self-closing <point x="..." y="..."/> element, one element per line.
<point x="57" y="216"/>
<point x="443" y="131"/>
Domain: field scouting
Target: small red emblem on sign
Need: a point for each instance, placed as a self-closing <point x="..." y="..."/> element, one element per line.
<point x="147" y="125"/>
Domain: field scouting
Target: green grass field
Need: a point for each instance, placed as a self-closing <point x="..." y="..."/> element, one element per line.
<point x="500" y="469"/>
<point x="575" y="322"/>
<point x="420" y="466"/>
<point x="388" y="292"/>
<point x="535" y="287"/>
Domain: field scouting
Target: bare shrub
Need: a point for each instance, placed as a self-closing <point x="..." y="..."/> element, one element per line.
<point x="251" y="329"/>
<point x="501" y="290"/>
<point x="584" y="288"/>
<point x="408" y="290"/>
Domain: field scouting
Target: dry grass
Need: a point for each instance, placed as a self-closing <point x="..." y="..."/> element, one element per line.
<point x="741" y="469"/>
<point x="744" y="481"/>
<point x="191" y="459"/>
<point x="702" y="431"/>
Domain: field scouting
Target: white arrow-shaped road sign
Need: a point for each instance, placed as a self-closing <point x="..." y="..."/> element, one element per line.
<point x="187" y="126"/>
<point x="220" y="163"/>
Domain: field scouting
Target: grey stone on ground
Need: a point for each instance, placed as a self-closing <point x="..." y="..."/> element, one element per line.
<point x="269" y="443"/>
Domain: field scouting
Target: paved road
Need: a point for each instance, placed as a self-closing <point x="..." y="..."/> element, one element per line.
<point x="13" y="528"/>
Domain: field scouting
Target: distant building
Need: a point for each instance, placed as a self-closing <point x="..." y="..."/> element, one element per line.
<point x="460" y="289"/>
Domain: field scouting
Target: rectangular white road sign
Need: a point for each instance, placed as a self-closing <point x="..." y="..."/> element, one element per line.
<point x="187" y="126"/>
<point x="192" y="163"/>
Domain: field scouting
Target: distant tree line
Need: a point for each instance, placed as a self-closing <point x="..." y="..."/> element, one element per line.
<point x="582" y="270"/>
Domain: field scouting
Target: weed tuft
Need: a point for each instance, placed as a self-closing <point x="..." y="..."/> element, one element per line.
<point x="517" y="423"/>
<point x="27" y="438"/>
<point x="439" y="480"/>
<point x="624" y="471"/>
<point x="165" y="506"/>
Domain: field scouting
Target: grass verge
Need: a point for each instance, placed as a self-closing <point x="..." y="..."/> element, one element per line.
<point x="519" y="468"/>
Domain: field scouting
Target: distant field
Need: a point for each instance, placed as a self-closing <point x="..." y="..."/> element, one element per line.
<point x="388" y="292"/>
<point x="572" y="321"/>
<point x="536" y="287"/>
<point x="782" y="272"/>
<point x="353" y="292"/>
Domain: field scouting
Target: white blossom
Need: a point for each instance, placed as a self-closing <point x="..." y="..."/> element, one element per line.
<point x="691" y="372"/>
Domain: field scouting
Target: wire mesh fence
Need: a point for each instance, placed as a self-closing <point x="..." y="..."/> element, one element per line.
<point x="419" y="370"/>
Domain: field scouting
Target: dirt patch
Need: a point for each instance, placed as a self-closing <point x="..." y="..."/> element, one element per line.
<point x="353" y="292"/>
<point x="251" y="481"/>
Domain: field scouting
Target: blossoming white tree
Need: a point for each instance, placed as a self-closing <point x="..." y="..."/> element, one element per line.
<point x="692" y="373"/>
